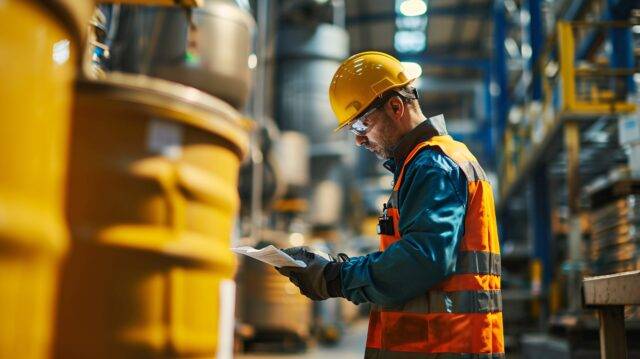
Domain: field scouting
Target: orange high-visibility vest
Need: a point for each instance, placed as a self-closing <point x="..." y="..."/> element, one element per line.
<point x="462" y="316"/>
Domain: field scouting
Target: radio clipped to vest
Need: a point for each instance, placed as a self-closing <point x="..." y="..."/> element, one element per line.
<point x="385" y="222"/>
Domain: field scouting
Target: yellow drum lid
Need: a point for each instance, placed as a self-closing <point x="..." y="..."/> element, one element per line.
<point x="181" y="103"/>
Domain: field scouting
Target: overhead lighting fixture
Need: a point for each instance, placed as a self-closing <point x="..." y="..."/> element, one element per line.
<point x="413" y="7"/>
<point x="409" y="41"/>
<point x="411" y="22"/>
<point x="412" y="70"/>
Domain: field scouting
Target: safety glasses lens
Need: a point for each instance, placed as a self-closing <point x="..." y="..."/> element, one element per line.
<point x="358" y="127"/>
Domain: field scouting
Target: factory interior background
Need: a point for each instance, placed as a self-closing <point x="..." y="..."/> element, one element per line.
<point x="143" y="139"/>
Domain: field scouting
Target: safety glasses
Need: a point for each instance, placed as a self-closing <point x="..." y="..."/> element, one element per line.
<point x="359" y="126"/>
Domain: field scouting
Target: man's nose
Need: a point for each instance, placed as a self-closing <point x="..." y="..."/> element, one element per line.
<point x="360" y="140"/>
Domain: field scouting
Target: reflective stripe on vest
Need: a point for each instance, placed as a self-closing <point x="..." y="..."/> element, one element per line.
<point x="478" y="262"/>
<point x="461" y="317"/>
<point x="472" y="301"/>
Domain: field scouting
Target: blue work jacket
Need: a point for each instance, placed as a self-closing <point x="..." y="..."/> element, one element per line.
<point x="432" y="205"/>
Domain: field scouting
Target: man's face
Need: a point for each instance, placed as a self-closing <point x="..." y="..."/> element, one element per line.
<point x="382" y="137"/>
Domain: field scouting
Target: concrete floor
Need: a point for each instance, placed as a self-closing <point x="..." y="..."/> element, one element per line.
<point x="350" y="347"/>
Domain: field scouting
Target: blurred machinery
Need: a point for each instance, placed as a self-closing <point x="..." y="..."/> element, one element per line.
<point x="311" y="165"/>
<point x="307" y="58"/>
<point x="41" y="45"/>
<point x="555" y="143"/>
<point x="614" y="245"/>
<point x="183" y="45"/>
<point x="280" y="317"/>
<point x="308" y="53"/>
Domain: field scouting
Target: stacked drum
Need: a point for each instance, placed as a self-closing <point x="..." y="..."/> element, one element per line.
<point x="152" y="191"/>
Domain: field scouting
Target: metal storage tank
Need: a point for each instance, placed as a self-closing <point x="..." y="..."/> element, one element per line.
<point x="40" y="43"/>
<point x="292" y="150"/>
<point x="308" y="56"/>
<point x="208" y="47"/>
<point x="152" y="201"/>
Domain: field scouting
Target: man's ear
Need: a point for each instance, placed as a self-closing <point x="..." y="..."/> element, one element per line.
<point x="395" y="107"/>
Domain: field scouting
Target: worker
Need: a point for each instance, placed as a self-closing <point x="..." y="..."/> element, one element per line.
<point x="434" y="285"/>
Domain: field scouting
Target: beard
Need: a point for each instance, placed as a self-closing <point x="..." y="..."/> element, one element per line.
<point x="388" y="138"/>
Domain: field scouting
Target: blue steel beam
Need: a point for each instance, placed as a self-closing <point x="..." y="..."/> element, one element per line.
<point x="541" y="222"/>
<point x="487" y="130"/>
<point x="574" y="9"/>
<point x="470" y="10"/>
<point x="499" y="71"/>
<point x="616" y="10"/>
<point x="535" y="37"/>
<point x="621" y="40"/>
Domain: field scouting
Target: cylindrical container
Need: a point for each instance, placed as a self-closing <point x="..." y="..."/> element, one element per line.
<point x="292" y="151"/>
<point x="307" y="60"/>
<point x="308" y="56"/>
<point x="218" y="56"/>
<point x="39" y="45"/>
<point x="208" y="48"/>
<point x="274" y="305"/>
<point x="326" y="203"/>
<point x="152" y="201"/>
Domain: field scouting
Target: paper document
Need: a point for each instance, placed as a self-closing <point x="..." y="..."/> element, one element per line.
<point x="270" y="255"/>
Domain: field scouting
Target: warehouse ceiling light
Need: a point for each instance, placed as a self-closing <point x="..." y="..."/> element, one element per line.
<point x="413" y="7"/>
<point x="411" y="22"/>
<point x="409" y="41"/>
<point x="412" y="69"/>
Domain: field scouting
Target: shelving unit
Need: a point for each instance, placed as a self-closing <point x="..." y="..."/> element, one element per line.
<point x="560" y="134"/>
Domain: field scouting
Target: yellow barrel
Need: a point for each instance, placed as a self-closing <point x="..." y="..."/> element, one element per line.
<point x="38" y="60"/>
<point x="152" y="199"/>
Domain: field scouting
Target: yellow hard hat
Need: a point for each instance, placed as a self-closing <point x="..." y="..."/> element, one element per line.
<point x="361" y="79"/>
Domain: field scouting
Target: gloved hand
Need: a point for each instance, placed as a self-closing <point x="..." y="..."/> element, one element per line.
<point x="319" y="280"/>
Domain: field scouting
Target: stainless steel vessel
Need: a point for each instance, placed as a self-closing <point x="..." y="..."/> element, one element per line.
<point x="209" y="49"/>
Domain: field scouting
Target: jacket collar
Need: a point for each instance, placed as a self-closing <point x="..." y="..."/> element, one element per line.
<point x="433" y="126"/>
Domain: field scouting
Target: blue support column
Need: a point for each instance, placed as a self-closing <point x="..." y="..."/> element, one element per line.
<point x="541" y="223"/>
<point x="498" y="91"/>
<point x="499" y="84"/>
<point x="535" y="37"/>
<point x="485" y="132"/>
<point x="621" y="41"/>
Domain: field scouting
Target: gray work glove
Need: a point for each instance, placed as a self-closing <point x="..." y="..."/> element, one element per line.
<point x="319" y="280"/>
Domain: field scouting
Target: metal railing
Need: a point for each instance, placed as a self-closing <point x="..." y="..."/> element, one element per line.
<point x="591" y="86"/>
<point x="608" y="295"/>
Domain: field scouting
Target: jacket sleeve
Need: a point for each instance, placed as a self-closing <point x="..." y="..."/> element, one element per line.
<point x="432" y="211"/>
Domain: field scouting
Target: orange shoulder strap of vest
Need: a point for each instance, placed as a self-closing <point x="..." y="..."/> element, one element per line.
<point x="410" y="156"/>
